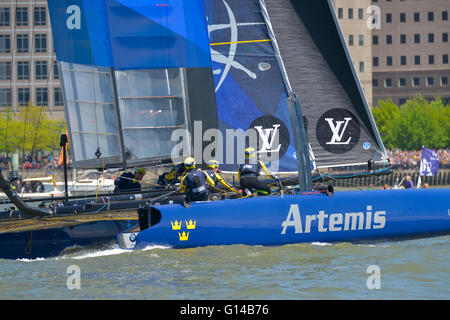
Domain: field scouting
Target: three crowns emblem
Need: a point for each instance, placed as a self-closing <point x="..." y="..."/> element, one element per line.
<point x="176" y="225"/>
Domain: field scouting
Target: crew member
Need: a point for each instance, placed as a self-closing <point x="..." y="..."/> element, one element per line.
<point x="195" y="182"/>
<point x="129" y="182"/>
<point x="248" y="174"/>
<point x="213" y="172"/>
<point x="171" y="177"/>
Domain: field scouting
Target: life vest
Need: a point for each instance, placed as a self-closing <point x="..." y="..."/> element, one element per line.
<point x="196" y="184"/>
<point x="249" y="170"/>
<point x="211" y="174"/>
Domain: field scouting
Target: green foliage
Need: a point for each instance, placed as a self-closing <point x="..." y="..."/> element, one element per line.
<point x="29" y="131"/>
<point x="415" y="124"/>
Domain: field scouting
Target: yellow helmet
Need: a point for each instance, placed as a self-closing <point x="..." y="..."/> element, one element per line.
<point x="140" y="170"/>
<point x="250" y="152"/>
<point x="189" y="163"/>
<point x="213" y="164"/>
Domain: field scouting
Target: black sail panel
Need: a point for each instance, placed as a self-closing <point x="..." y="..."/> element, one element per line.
<point x="340" y="126"/>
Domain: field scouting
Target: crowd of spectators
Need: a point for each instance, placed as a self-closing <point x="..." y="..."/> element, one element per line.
<point x="400" y="160"/>
<point x="47" y="162"/>
<point x="410" y="160"/>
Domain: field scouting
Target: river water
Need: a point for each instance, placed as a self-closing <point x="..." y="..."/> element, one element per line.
<point x="413" y="269"/>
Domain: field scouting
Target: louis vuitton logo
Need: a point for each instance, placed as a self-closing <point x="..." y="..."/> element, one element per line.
<point x="338" y="130"/>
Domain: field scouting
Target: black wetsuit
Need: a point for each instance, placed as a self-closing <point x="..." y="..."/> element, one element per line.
<point x="249" y="178"/>
<point x="127" y="183"/>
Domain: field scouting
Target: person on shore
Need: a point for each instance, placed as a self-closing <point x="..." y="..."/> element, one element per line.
<point x="408" y="184"/>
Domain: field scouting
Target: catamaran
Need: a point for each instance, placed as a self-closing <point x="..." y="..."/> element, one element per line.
<point x="147" y="82"/>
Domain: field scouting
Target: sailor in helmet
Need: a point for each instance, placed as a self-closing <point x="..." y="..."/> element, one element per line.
<point x="248" y="173"/>
<point x="129" y="182"/>
<point x="195" y="182"/>
<point x="171" y="177"/>
<point x="213" y="171"/>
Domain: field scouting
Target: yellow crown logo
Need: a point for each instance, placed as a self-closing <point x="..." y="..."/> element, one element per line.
<point x="183" y="236"/>
<point x="176" y="225"/>
<point x="190" y="225"/>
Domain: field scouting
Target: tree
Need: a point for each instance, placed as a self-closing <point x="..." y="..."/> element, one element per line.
<point x="415" y="124"/>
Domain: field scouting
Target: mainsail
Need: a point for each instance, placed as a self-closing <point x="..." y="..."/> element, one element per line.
<point x="136" y="71"/>
<point x="341" y="129"/>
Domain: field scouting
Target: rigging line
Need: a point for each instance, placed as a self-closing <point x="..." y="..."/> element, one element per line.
<point x="30" y="66"/>
<point x="11" y="75"/>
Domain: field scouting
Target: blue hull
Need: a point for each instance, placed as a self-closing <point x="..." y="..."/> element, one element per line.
<point x="359" y="216"/>
<point x="51" y="242"/>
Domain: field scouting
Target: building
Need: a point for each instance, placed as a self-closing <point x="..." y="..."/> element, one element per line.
<point x="352" y="16"/>
<point x="28" y="69"/>
<point x="409" y="47"/>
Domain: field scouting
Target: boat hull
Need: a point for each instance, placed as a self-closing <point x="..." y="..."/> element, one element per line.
<point x="352" y="216"/>
<point x="43" y="243"/>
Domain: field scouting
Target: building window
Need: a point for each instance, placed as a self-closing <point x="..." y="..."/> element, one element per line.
<point x="402" y="17"/>
<point x="57" y="97"/>
<point x="388" y="82"/>
<point x="430" y="81"/>
<point x="21" y="16"/>
<point x="40" y="42"/>
<point x="23" y="70"/>
<point x="388" y="17"/>
<point x="361" y="40"/>
<point x="444" y="15"/>
<point x="22" y="43"/>
<point x="416" y="82"/>
<point x="430" y="16"/>
<point x="5" y="70"/>
<point x="41" y="96"/>
<point x="340" y="13"/>
<point x="444" y="81"/>
<point x="361" y="66"/>
<point x="403" y="38"/>
<point x="5" y="97"/>
<point x="402" y="82"/>
<point x="416" y="16"/>
<point x="375" y="40"/>
<point x="350" y="40"/>
<point x="375" y="83"/>
<point x="416" y="38"/>
<point x="389" y="61"/>
<point x="55" y="70"/>
<point x="375" y="61"/>
<point x="350" y="13"/>
<point x="431" y="59"/>
<point x="431" y="37"/>
<point x="403" y="60"/>
<point x="389" y="39"/>
<point x="417" y="60"/>
<point x="445" y="59"/>
<point x="23" y="96"/>
<point x="40" y="16"/>
<point x="361" y="14"/>
<point x="445" y="37"/>
<point x="5" y="17"/>
<point x="41" y="70"/>
<point x="5" y="43"/>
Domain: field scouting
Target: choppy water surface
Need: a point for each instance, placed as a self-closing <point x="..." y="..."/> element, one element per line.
<point x="415" y="269"/>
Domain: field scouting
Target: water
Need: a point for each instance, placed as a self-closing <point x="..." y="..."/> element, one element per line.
<point x="415" y="269"/>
